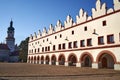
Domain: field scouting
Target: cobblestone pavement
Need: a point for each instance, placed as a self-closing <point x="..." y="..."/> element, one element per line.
<point x="24" y="71"/>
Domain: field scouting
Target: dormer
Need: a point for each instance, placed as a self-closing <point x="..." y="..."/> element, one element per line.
<point x="51" y="29"/>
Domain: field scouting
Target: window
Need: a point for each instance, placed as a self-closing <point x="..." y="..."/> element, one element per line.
<point x="60" y="35"/>
<point x="35" y="50"/>
<point x="38" y="49"/>
<point x="63" y="46"/>
<point x="75" y="44"/>
<point x="119" y="36"/>
<point x="85" y="28"/>
<point x="70" y="45"/>
<point x="45" y="48"/>
<point x="110" y="39"/>
<point x="32" y="50"/>
<point x="42" y="49"/>
<point x="89" y="42"/>
<point x="82" y="43"/>
<point x="43" y="40"/>
<point x="59" y="46"/>
<point x="72" y="32"/>
<point x="55" y="37"/>
<point x="53" y="47"/>
<point x="100" y="40"/>
<point x="47" y="39"/>
<point x="48" y="48"/>
<point x="104" y="23"/>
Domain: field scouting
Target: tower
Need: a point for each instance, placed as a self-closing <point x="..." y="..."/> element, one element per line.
<point x="10" y="40"/>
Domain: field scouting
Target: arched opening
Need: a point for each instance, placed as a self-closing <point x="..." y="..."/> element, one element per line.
<point x="42" y="59"/>
<point x="86" y="60"/>
<point x="72" y="59"/>
<point x="34" y="59"/>
<point x="38" y="59"/>
<point x="61" y="59"/>
<point x="47" y="59"/>
<point x="53" y="60"/>
<point x="106" y="61"/>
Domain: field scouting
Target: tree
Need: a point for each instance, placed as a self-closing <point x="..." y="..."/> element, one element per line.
<point x="23" y="50"/>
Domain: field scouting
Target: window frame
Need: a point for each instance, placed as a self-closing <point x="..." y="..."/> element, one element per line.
<point x="82" y="43"/>
<point x="99" y="40"/>
<point x="110" y="38"/>
<point x="75" y="44"/>
<point x="89" y="42"/>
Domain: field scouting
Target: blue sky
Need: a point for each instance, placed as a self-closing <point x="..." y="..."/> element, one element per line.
<point x="31" y="15"/>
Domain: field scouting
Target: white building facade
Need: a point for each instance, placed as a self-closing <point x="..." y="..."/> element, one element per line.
<point x="91" y="41"/>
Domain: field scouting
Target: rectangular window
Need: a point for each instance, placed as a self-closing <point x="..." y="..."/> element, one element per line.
<point x="38" y="50"/>
<point x="110" y="39"/>
<point x="75" y="44"/>
<point x="59" y="47"/>
<point x="45" y="48"/>
<point x="119" y="36"/>
<point x="53" y="47"/>
<point x="104" y="23"/>
<point x="42" y="49"/>
<point x="72" y="32"/>
<point x="85" y="28"/>
<point x="63" y="46"/>
<point x="70" y="45"/>
<point x="100" y="40"/>
<point x="35" y="50"/>
<point x="48" y="48"/>
<point x="89" y="42"/>
<point x="82" y="43"/>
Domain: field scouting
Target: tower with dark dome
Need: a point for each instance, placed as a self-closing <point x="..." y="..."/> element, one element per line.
<point x="10" y="40"/>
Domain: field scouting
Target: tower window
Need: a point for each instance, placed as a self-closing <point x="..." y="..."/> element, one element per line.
<point x="100" y="40"/>
<point x="110" y="39"/>
<point x="43" y="40"/>
<point x="104" y="23"/>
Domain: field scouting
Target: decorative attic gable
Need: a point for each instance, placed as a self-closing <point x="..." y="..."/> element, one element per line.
<point x="35" y="36"/>
<point x="68" y="22"/>
<point x="31" y="37"/>
<point x="51" y="29"/>
<point x="58" y="27"/>
<point x="39" y="34"/>
<point x="116" y="5"/>
<point x="44" y="31"/>
<point x="99" y="10"/>
<point x="82" y="17"/>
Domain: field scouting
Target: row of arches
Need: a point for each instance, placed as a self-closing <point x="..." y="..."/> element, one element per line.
<point x="105" y="59"/>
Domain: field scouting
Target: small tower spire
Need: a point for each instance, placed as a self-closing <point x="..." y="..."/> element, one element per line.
<point x="11" y="23"/>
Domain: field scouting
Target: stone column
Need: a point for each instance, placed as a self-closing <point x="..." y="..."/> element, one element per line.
<point x="95" y="65"/>
<point x="57" y="63"/>
<point x="78" y="64"/>
<point x="66" y="63"/>
<point x="116" y="66"/>
<point x="50" y="63"/>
